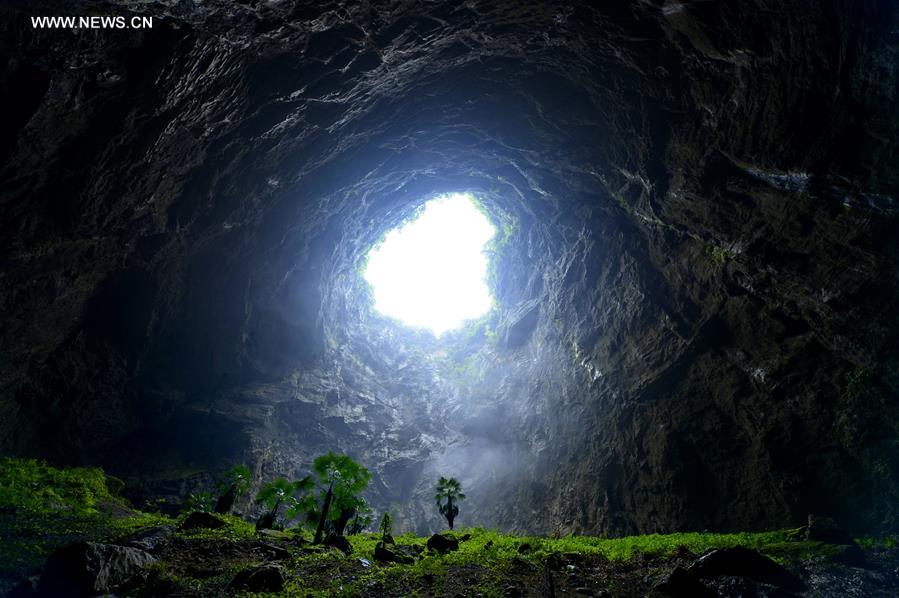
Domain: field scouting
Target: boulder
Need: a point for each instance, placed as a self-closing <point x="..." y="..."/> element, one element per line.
<point x="274" y="534"/>
<point x="264" y="578"/>
<point x="680" y="583"/>
<point x="744" y="562"/>
<point x="200" y="520"/>
<point x="442" y="544"/>
<point x="91" y="568"/>
<point x="824" y="529"/>
<point x="151" y="539"/>
<point x="392" y="554"/>
<point x="270" y="552"/>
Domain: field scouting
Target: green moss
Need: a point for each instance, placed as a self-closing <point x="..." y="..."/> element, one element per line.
<point x="800" y="551"/>
<point x="34" y="486"/>
<point x="43" y="508"/>
<point x="491" y="555"/>
<point x="718" y="254"/>
<point x="885" y="542"/>
<point x="235" y="529"/>
<point x="65" y="506"/>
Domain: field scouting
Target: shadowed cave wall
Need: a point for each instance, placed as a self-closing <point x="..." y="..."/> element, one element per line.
<point x="696" y="290"/>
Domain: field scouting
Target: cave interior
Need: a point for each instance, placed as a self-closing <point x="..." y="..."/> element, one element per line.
<point x="693" y="277"/>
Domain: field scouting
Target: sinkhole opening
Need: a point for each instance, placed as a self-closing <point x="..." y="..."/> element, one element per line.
<point x="431" y="271"/>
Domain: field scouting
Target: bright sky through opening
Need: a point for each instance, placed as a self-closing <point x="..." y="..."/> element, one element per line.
<point x="431" y="272"/>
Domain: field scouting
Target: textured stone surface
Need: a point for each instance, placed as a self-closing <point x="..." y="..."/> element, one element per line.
<point x="697" y="298"/>
<point x="89" y="569"/>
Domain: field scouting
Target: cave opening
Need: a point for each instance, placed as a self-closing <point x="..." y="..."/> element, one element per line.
<point x="431" y="271"/>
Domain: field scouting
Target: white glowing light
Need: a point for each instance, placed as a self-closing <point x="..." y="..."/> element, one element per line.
<point x="431" y="272"/>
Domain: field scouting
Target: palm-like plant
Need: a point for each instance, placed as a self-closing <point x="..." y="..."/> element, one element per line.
<point x="281" y="491"/>
<point x="198" y="501"/>
<point x="235" y="482"/>
<point x="362" y="519"/>
<point x="449" y="491"/>
<point x="344" y="480"/>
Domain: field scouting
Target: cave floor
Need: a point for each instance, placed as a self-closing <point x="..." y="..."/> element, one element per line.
<point x="67" y="532"/>
<point x="205" y="562"/>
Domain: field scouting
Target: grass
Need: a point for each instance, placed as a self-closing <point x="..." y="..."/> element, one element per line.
<point x="43" y="508"/>
<point x="36" y="487"/>
<point x="495" y="553"/>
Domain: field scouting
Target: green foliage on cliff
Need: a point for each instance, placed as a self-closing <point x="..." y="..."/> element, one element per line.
<point x="34" y="486"/>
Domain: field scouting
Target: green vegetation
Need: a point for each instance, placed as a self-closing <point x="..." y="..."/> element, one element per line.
<point x="386" y="527"/>
<point x="491" y="559"/>
<point x="43" y="508"/>
<point x="362" y="519"/>
<point x="342" y="481"/>
<point x="38" y="488"/>
<point x="234" y="484"/>
<point x="448" y="492"/>
<point x="198" y="501"/>
<point x="278" y="492"/>
<point x="718" y="254"/>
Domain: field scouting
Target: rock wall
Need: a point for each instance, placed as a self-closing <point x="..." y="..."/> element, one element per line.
<point x="696" y="289"/>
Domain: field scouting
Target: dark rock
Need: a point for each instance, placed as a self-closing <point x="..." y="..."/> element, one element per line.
<point x="680" y="583"/>
<point x="511" y="591"/>
<point x="266" y="521"/>
<point x="200" y="520"/>
<point x="731" y="586"/>
<point x="27" y="588"/>
<point x="275" y="534"/>
<point x="850" y="554"/>
<point x="387" y="539"/>
<point x="89" y="568"/>
<point x="525" y="548"/>
<point x="824" y="529"/>
<point x="391" y="554"/>
<point x="225" y="502"/>
<point x="744" y="562"/>
<point x="264" y="578"/>
<point x="442" y="544"/>
<point x="271" y="552"/>
<point x="339" y="542"/>
<point x="149" y="540"/>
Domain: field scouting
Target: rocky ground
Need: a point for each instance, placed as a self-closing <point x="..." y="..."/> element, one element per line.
<point x="234" y="560"/>
<point x="67" y="532"/>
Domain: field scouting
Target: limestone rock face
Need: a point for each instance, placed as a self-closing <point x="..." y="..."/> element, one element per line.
<point x="696" y="285"/>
